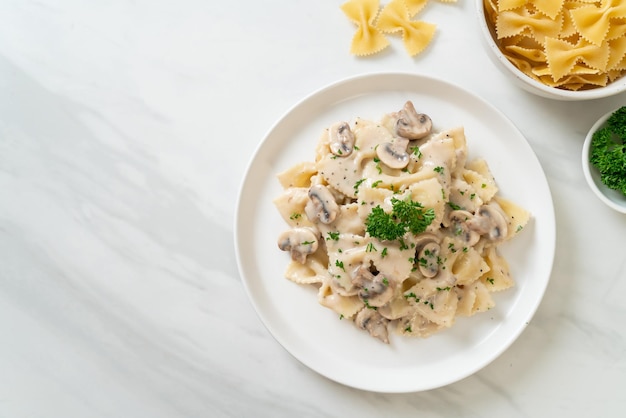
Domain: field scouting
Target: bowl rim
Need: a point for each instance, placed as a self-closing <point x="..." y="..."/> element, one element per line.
<point x="598" y="189"/>
<point x="544" y="90"/>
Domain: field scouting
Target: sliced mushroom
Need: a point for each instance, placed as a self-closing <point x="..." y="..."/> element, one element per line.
<point x="460" y="221"/>
<point x="341" y="139"/>
<point x="374" y="323"/>
<point x="300" y="242"/>
<point x="427" y="248"/>
<point x="424" y="238"/>
<point x="394" y="154"/>
<point x="376" y="290"/>
<point x="413" y="125"/>
<point x="428" y="259"/>
<point x="322" y="204"/>
<point x="490" y="221"/>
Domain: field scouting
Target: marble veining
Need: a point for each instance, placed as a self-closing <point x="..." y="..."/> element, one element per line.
<point x="125" y="131"/>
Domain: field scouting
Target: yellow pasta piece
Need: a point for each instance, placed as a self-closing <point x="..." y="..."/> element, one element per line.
<point x="539" y="26"/>
<point x="530" y="54"/>
<point x="617" y="29"/>
<point x="594" y="22"/>
<point x="504" y="5"/>
<point x="416" y="35"/>
<point x="415" y="6"/>
<point x="563" y="56"/>
<point x="368" y="39"/>
<point x="522" y="64"/>
<point x="571" y="81"/>
<point x="550" y="8"/>
<point x="615" y="74"/>
<point x="617" y="48"/>
<point x="578" y="69"/>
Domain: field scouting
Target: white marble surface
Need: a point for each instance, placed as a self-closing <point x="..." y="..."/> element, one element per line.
<point x="125" y="129"/>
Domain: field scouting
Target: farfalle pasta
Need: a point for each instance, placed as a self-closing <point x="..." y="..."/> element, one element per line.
<point x="416" y="35"/>
<point x="565" y="44"/>
<point x="395" y="227"/>
<point x="396" y="17"/>
<point x="367" y="39"/>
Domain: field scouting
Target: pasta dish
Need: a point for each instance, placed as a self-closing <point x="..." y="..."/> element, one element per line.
<point x="395" y="226"/>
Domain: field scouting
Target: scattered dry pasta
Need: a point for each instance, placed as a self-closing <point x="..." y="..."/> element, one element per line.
<point x="394" y="18"/>
<point x="395" y="227"/>
<point x="566" y="44"/>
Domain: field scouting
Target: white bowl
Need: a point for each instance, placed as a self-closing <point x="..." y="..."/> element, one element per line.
<point x="613" y="198"/>
<point x="531" y="85"/>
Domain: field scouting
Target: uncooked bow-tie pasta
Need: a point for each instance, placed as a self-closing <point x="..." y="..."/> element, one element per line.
<point x="395" y="226"/>
<point x="396" y="17"/>
<point x="573" y="45"/>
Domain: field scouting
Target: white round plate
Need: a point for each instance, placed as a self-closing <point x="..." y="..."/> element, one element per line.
<point x="336" y="348"/>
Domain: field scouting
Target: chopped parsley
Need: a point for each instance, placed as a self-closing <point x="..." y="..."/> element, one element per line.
<point x="411" y="295"/>
<point x="295" y="216"/>
<point x="333" y="236"/>
<point x="438" y="169"/>
<point x="357" y="184"/>
<point x="377" y="161"/>
<point x="370" y="247"/>
<point x="368" y="305"/>
<point x="340" y="264"/>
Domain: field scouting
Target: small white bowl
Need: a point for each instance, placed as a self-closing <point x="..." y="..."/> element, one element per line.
<point x="531" y="85"/>
<point x="613" y="198"/>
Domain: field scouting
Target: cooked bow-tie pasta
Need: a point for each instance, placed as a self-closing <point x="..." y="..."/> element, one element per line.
<point x="395" y="226"/>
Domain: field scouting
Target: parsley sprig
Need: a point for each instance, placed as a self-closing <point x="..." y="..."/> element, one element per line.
<point x="406" y="215"/>
<point x="608" y="151"/>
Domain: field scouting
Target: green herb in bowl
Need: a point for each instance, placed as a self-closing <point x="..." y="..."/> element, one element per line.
<point x="608" y="151"/>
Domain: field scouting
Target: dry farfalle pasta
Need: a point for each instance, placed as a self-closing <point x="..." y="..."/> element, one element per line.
<point x="367" y="39"/>
<point x="566" y="44"/>
<point x="395" y="18"/>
